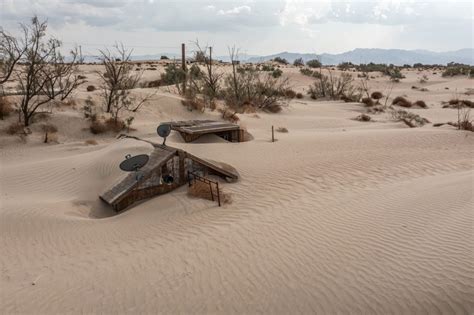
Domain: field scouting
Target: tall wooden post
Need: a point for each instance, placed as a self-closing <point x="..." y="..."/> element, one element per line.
<point x="183" y="65"/>
<point x="273" y="135"/>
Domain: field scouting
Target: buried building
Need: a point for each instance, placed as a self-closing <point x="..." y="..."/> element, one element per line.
<point x="167" y="169"/>
<point x="191" y="130"/>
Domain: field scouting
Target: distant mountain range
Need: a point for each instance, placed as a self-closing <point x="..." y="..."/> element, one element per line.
<point x="395" y="56"/>
<point x="356" y="56"/>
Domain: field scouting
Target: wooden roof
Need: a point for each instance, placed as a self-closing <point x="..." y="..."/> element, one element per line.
<point x="202" y="126"/>
<point x="158" y="158"/>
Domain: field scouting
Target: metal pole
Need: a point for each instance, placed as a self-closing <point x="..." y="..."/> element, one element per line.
<point x="183" y="65"/>
<point x="218" y="194"/>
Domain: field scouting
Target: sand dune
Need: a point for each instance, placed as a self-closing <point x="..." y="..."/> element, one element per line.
<point x="337" y="216"/>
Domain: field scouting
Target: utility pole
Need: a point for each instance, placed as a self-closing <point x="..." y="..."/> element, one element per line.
<point x="183" y="64"/>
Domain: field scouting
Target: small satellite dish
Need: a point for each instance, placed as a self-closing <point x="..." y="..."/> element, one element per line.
<point x="167" y="179"/>
<point x="163" y="131"/>
<point x="134" y="163"/>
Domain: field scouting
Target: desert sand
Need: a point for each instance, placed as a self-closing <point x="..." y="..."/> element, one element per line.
<point x="337" y="216"/>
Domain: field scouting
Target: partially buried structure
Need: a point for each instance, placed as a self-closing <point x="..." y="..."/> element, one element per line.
<point x="191" y="130"/>
<point x="167" y="169"/>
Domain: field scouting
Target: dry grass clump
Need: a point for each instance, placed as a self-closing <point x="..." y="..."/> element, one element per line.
<point x="401" y="101"/>
<point x="368" y="101"/>
<point x="15" y="128"/>
<point x="457" y="103"/>
<point x="410" y="119"/>
<point x="102" y="126"/>
<point x="90" y="88"/>
<point x="289" y="93"/>
<point x="299" y="95"/>
<point x="363" y="117"/>
<point x="202" y="190"/>
<point x="194" y="104"/>
<point x="282" y="130"/>
<point x="421" y="104"/>
<point x="5" y="107"/>
<point x="229" y="115"/>
<point x="376" y="96"/>
<point x="90" y="142"/>
<point x="50" y="131"/>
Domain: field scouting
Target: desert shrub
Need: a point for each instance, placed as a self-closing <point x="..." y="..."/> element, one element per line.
<point x="423" y="90"/>
<point x="5" y="107"/>
<point x="363" y="117"/>
<point x="410" y="119"/>
<point x="154" y="84"/>
<point x="48" y="129"/>
<point x="98" y="127"/>
<point x="89" y="109"/>
<point x="454" y="69"/>
<point x="414" y="87"/>
<point x="315" y="63"/>
<point x="282" y="130"/>
<point x="266" y="67"/>
<point x="90" y="142"/>
<point x="368" y="101"/>
<point x="420" y="103"/>
<point x="298" y="62"/>
<point x="401" y="101"/>
<point x="81" y="77"/>
<point x="299" y="95"/>
<point x="464" y="120"/>
<point x="306" y="71"/>
<point x="194" y="104"/>
<point x="457" y="103"/>
<point x="90" y="88"/>
<point x="280" y="60"/>
<point x="345" y="66"/>
<point x="376" y="95"/>
<point x="289" y="93"/>
<point x="164" y="58"/>
<point x="331" y="86"/>
<point x="395" y="74"/>
<point x="229" y="115"/>
<point x="15" y="128"/>
<point x="277" y="73"/>
<point x="173" y="75"/>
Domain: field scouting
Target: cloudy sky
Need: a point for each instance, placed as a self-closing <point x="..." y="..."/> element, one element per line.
<point x="256" y="26"/>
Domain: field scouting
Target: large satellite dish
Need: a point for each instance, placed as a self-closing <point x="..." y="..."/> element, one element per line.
<point x="134" y="163"/>
<point x="163" y="131"/>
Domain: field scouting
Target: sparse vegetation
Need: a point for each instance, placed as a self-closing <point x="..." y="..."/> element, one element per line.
<point x="299" y="62"/>
<point x="90" y="88"/>
<point x="282" y="130"/>
<point x="332" y="86"/>
<point x="277" y="73"/>
<point x="299" y="95"/>
<point x="420" y="103"/>
<point x="401" y="101"/>
<point x="283" y="61"/>
<point x="314" y="63"/>
<point x="410" y="119"/>
<point x="454" y="69"/>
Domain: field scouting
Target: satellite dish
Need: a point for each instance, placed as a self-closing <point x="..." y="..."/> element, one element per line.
<point x="167" y="179"/>
<point x="163" y="131"/>
<point x="134" y="163"/>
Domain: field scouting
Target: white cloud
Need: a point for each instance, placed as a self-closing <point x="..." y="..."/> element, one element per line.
<point x="236" y="10"/>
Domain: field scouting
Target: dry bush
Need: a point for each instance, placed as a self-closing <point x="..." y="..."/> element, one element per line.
<point x="90" y="88"/>
<point x="368" y="101"/>
<point x="363" y="117"/>
<point x="290" y="93"/>
<point x="15" y="128"/>
<point x="376" y="95"/>
<point x="421" y="104"/>
<point x="229" y="115"/>
<point x="282" y="130"/>
<point x="410" y="119"/>
<point x="299" y="95"/>
<point x="273" y="108"/>
<point x="194" y="104"/>
<point x="202" y="190"/>
<point x="457" y="103"/>
<point x="98" y="127"/>
<point x="81" y="77"/>
<point x="401" y="101"/>
<point x="5" y="107"/>
<point x="90" y="142"/>
<point x="50" y="131"/>
<point x="154" y="84"/>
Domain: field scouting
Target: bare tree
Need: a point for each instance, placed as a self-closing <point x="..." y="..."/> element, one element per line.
<point x="211" y="78"/>
<point x="38" y="70"/>
<point x="10" y="53"/>
<point x="117" y="82"/>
